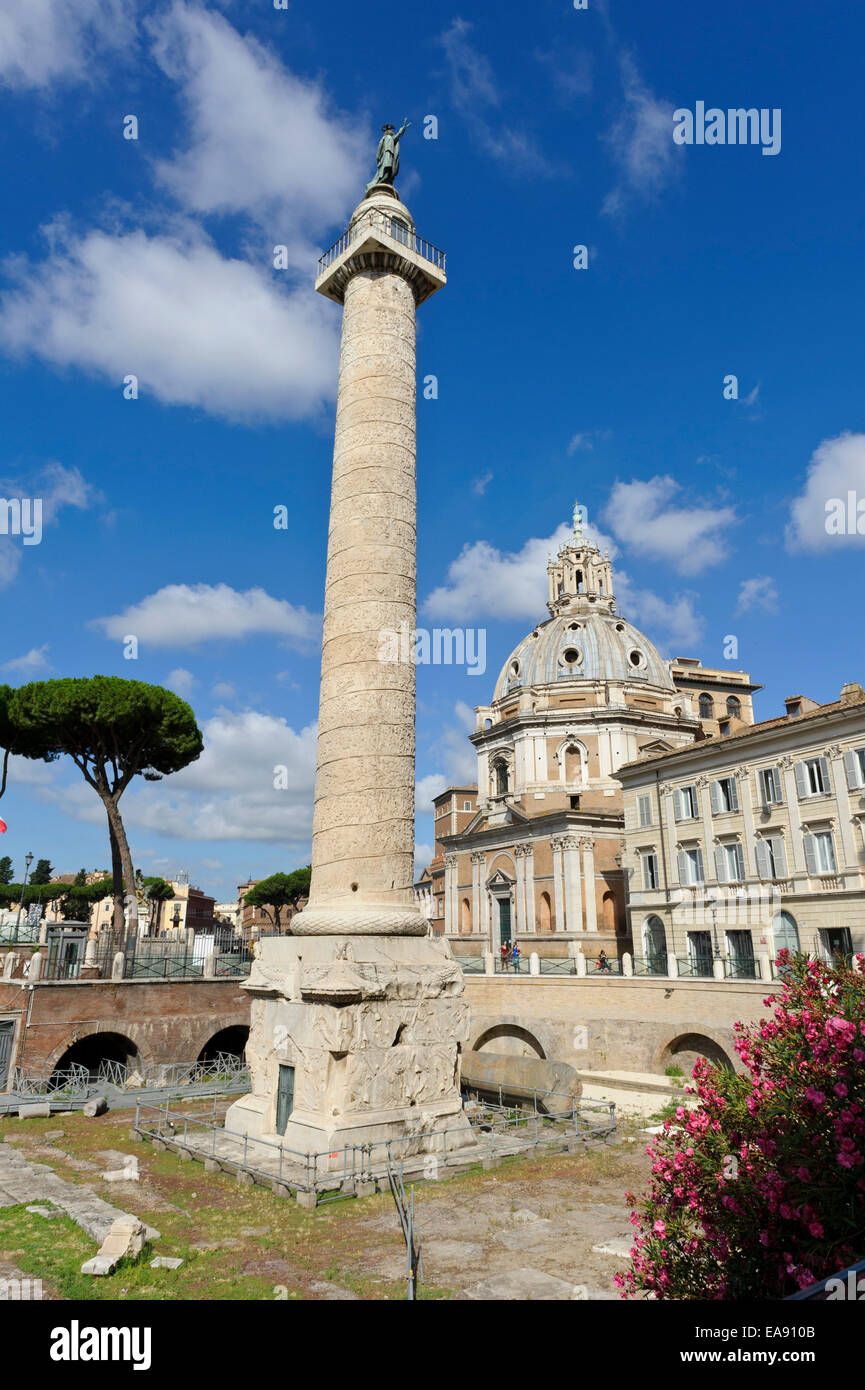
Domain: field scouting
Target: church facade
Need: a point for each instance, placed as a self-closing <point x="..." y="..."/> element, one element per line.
<point x="533" y="853"/>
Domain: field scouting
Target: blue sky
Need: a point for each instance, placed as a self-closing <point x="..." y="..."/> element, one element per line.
<point x="154" y="257"/>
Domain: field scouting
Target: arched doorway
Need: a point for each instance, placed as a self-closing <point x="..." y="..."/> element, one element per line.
<point x="228" y="1041"/>
<point x="511" y="1040"/>
<point x="101" y="1054"/>
<point x="686" y="1050"/>
<point x="465" y="916"/>
<point x="785" y="932"/>
<point x="655" y="946"/>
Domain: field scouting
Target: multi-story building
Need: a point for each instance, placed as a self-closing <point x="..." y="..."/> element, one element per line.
<point x="744" y="843"/>
<point x="533" y="852"/>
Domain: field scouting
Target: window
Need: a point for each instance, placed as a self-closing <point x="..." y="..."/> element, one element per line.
<point x="685" y="803"/>
<point x="644" y="807"/>
<point x="729" y="863"/>
<point x="500" y="778"/>
<point x="650" y="871"/>
<point x="812" y="777"/>
<point x="691" y="866"/>
<point x="734" y="707"/>
<point x="854" y="766"/>
<point x="467" y="805"/>
<point x="707" y="707"/>
<point x="724" y="795"/>
<point x="771" y="857"/>
<point x="769" y="781"/>
<point x="820" y="853"/>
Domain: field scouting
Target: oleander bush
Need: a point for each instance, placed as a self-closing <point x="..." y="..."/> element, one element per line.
<point x="760" y="1190"/>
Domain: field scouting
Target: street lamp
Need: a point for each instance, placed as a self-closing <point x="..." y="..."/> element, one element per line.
<point x="28" y="860"/>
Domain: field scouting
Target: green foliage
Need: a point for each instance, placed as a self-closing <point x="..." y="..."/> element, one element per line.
<point x="6" y="869"/>
<point x="81" y="878"/>
<point x="279" y="891"/>
<point x="106" y="725"/>
<point x="43" y="871"/>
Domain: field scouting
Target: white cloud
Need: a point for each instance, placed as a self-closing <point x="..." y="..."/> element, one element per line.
<point x="261" y="140"/>
<point x="641" y="141"/>
<point x="837" y="467"/>
<point x="194" y="327"/>
<point x="56" y="487"/>
<point x="425" y="789"/>
<point x="585" y="440"/>
<point x="228" y="794"/>
<point x="422" y="856"/>
<point x="673" y="625"/>
<point x="223" y="691"/>
<point x="42" y="41"/>
<point x="486" y="582"/>
<point x="184" y="614"/>
<point x="759" y="592"/>
<point x="480" y="484"/>
<point x="28" y="665"/>
<point x="453" y="750"/>
<point x="641" y="517"/>
<point x="476" y="97"/>
<point x="181" y="682"/>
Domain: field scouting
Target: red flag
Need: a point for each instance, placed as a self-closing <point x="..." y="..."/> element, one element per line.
<point x="2" y="827"/>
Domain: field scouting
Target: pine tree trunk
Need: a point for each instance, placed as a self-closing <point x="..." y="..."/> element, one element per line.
<point x="118" y="920"/>
<point x="122" y="843"/>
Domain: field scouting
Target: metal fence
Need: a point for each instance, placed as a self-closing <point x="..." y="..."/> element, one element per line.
<point x="393" y="227"/>
<point x="501" y="1130"/>
<point x="120" y="1083"/>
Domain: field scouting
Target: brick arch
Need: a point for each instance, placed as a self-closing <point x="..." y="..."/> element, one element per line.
<point x="539" y="1038"/>
<point x="85" y="1032"/>
<point x="704" y="1042"/>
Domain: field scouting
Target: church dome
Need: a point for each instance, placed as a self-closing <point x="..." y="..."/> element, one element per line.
<point x="583" y="646"/>
<point x="585" y="639"/>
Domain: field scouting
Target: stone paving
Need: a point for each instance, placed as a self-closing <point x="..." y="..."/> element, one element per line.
<point x="25" y="1182"/>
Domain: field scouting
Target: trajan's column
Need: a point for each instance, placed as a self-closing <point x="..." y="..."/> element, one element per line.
<point x="358" y="1016"/>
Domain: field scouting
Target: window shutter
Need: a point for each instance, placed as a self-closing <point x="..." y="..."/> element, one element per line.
<point x="721" y="864"/>
<point x="740" y="862"/>
<point x="683" y="867"/>
<point x="715" y="798"/>
<point x="780" y="856"/>
<point x="832" y="867"/>
<point x="734" y="795"/>
<point x="851" y="767"/>
<point x="801" y="779"/>
<point x="762" y="851"/>
<point x="679" y="803"/>
<point x="824" y="774"/>
<point x="776" y="783"/>
<point x="811" y="855"/>
<point x="700" y="871"/>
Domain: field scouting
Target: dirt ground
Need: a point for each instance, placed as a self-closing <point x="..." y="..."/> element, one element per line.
<point x="524" y="1230"/>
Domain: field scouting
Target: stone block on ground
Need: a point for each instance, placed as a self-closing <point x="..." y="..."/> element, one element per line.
<point x="52" y="1134"/>
<point x="34" y="1111"/>
<point x="99" y="1265"/>
<point x="97" y="1105"/>
<point x="165" y="1262"/>
<point x="48" y="1212"/>
<point x="619" y="1246"/>
<point x="524" y="1286"/>
<point x="126" y="1239"/>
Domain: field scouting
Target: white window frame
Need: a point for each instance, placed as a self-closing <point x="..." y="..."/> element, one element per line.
<point x="644" y="803"/>
<point x="650" y="859"/>
<point x="772" y="776"/>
